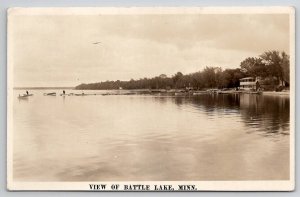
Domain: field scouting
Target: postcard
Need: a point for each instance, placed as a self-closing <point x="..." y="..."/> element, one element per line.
<point x="151" y="99"/>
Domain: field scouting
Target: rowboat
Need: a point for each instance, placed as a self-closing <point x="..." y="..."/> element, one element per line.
<point x="70" y="94"/>
<point x="50" y="94"/>
<point x="254" y="92"/>
<point x="24" y="96"/>
<point x="199" y="92"/>
<point x="80" y="94"/>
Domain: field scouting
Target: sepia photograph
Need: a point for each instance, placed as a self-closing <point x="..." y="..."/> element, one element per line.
<point x="151" y="99"/>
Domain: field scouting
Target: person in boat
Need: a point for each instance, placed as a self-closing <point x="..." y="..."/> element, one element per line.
<point x="64" y="92"/>
<point x="27" y="92"/>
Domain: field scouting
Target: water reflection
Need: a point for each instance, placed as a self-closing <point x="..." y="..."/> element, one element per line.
<point x="266" y="114"/>
<point x="138" y="137"/>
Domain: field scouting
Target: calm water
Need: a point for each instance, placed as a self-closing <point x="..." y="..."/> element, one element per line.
<point x="136" y="137"/>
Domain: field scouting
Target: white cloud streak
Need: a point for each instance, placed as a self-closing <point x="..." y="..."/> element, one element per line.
<point x="59" y="50"/>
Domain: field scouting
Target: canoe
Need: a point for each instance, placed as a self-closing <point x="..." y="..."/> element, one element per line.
<point x="50" y="94"/>
<point x="80" y="94"/>
<point x="84" y="94"/>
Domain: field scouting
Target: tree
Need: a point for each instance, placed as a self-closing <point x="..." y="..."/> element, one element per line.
<point x="209" y="77"/>
<point x="254" y="67"/>
<point x="273" y="66"/>
<point x="236" y="76"/>
<point x="176" y="78"/>
<point x="277" y="65"/>
<point x="197" y="80"/>
<point x="285" y="65"/>
<point x="163" y="76"/>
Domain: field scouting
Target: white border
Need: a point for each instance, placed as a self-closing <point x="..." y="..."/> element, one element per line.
<point x="201" y="185"/>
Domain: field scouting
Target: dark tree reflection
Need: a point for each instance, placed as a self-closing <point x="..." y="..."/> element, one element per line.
<point x="268" y="115"/>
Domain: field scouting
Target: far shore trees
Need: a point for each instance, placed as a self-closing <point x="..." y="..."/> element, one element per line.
<point x="254" y="67"/>
<point x="273" y="66"/>
<point x="277" y="65"/>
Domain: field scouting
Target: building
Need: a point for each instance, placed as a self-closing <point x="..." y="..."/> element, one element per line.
<point x="250" y="83"/>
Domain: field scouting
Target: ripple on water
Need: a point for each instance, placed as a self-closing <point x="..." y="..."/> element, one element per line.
<point x="209" y="137"/>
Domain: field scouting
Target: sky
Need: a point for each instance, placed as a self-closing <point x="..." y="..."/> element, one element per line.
<point x="59" y="50"/>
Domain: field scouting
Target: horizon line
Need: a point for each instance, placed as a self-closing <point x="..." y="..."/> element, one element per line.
<point x="53" y="87"/>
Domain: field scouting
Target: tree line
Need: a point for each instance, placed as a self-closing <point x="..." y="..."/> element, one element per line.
<point x="273" y="66"/>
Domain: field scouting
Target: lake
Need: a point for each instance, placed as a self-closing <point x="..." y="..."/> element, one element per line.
<point x="150" y="138"/>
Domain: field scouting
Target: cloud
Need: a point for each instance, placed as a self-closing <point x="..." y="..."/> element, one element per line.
<point x="58" y="50"/>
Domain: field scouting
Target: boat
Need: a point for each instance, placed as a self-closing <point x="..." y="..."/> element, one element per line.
<point x="24" y="96"/>
<point x="129" y="93"/>
<point x="225" y="92"/>
<point x="109" y="94"/>
<point x="82" y="94"/>
<point x="70" y="94"/>
<point x="256" y="92"/>
<point x="50" y="94"/>
<point x="199" y="92"/>
<point x="155" y="91"/>
<point x="213" y="91"/>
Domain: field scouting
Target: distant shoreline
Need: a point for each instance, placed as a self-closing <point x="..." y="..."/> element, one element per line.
<point x="157" y="91"/>
<point x="41" y="88"/>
